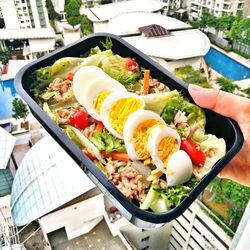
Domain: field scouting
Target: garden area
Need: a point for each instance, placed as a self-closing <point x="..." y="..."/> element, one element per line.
<point x="227" y="200"/>
<point x="188" y="74"/>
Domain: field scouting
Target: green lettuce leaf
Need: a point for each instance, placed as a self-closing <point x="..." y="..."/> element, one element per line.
<point x="162" y="199"/>
<point x="106" y="141"/>
<point x="157" y="102"/>
<point x="72" y="135"/>
<point x="115" y="67"/>
<point x="96" y="59"/>
<point x="193" y="112"/>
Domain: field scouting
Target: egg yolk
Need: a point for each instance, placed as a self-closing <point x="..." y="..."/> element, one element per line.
<point x="121" y="110"/>
<point x="140" y="137"/>
<point x="99" y="99"/>
<point x="167" y="146"/>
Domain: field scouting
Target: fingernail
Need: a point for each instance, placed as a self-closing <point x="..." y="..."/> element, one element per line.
<point x="194" y="87"/>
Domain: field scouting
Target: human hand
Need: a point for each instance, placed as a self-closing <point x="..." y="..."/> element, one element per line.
<point x="237" y="108"/>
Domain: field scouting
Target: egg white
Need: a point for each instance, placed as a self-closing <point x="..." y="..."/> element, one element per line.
<point x="83" y="77"/>
<point x="154" y="139"/>
<point x="179" y="168"/>
<point x="107" y="105"/>
<point x="95" y="87"/>
<point x="132" y="122"/>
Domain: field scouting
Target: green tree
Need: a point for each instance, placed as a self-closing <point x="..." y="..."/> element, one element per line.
<point x="240" y="30"/>
<point x="5" y="56"/>
<point x="51" y="11"/>
<point x="208" y="20"/>
<point x="19" y="109"/>
<point x="86" y="26"/>
<point x="72" y="9"/>
<point x="2" y="24"/>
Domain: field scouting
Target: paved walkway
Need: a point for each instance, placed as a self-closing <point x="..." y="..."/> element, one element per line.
<point x="99" y="238"/>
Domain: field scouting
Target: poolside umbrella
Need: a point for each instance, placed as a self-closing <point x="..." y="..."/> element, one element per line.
<point x="7" y="143"/>
<point x="46" y="179"/>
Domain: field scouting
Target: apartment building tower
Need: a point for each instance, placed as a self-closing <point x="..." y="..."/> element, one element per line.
<point x="22" y="14"/>
<point x="216" y="7"/>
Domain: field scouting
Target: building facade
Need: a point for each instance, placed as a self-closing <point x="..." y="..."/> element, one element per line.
<point x="22" y="14"/>
<point x="172" y="5"/>
<point x="216" y="7"/>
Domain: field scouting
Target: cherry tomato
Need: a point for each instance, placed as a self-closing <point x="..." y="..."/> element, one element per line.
<point x="195" y="153"/>
<point x="88" y="154"/>
<point x="79" y="120"/>
<point x="70" y="76"/>
<point x="132" y="65"/>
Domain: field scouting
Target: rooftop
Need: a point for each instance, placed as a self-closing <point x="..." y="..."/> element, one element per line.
<point x="46" y="181"/>
<point x="179" y="45"/>
<point x="108" y="11"/>
<point x="129" y="23"/>
<point x="19" y="34"/>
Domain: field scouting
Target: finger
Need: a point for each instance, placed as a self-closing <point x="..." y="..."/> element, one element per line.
<point x="226" y="104"/>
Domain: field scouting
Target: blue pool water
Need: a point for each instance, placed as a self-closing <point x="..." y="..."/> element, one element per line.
<point x="7" y="94"/>
<point x="226" y="66"/>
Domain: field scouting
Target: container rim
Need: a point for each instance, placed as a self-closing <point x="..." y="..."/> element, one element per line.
<point x="93" y="172"/>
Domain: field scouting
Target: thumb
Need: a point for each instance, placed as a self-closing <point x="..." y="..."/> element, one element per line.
<point x="226" y="104"/>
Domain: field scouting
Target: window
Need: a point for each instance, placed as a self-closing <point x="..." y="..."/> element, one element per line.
<point x="25" y="14"/>
<point x="217" y="5"/>
<point x="22" y="21"/>
<point x="27" y="21"/>
<point x="209" y="3"/>
<point x="23" y="1"/>
<point x="24" y="8"/>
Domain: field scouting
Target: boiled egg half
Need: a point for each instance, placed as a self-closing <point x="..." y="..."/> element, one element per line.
<point x="162" y="143"/>
<point x="179" y="168"/>
<point x="117" y="108"/>
<point x="91" y="86"/>
<point x="82" y="79"/>
<point x="136" y="133"/>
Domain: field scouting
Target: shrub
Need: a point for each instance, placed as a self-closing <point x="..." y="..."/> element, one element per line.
<point x="19" y="109"/>
<point x="188" y="74"/>
<point x="86" y="26"/>
<point x="226" y="84"/>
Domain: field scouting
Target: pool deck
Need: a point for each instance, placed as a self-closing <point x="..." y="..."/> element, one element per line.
<point x="233" y="55"/>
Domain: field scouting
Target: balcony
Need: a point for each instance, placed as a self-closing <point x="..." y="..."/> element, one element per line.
<point x="226" y="7"/>
<point x="195" y="9"/>
<point x="197" y="3"/>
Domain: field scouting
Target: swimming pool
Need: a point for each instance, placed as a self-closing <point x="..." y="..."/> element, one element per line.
<point x="226" y="66"/>
<point x="7" y="94"/>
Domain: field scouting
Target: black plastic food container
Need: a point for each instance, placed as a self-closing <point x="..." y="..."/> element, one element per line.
<point x="216" y="124"/>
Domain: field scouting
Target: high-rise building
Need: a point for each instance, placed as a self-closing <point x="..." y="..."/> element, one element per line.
<point x="246" y="9"/>
<point x="21" y="14"/>
<point x="216" y="7"/>
<point x="172" y="5"/>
